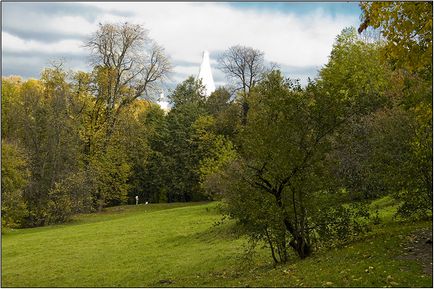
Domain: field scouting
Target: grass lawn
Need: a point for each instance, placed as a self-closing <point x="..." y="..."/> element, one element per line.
<point x="177" y="245"/>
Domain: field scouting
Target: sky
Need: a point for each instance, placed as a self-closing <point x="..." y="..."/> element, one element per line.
<point x="297" y="36"/>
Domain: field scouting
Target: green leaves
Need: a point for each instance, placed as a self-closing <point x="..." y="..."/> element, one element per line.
<point x="14" y="178"/>
<point x="407" y="28"/>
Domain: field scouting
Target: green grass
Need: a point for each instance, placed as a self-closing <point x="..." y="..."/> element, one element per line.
<point x="141" y="246"/>
<point x="386" y="207"/>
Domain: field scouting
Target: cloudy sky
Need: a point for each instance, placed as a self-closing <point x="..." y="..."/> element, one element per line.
<point x="297" y="36"/>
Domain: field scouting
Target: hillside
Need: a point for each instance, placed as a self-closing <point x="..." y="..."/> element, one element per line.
<point x="179" y="245"/>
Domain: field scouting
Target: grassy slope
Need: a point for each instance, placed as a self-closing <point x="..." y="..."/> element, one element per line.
<point x="137" y="246"/>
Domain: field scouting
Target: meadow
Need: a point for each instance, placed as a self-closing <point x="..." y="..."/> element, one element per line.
<point x="183" y="245"/>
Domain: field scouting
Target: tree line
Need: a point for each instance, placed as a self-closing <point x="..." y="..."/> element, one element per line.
<point x="292" y="164"/>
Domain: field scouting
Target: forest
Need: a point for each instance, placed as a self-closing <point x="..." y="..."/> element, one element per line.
<point x="295" y="166"/>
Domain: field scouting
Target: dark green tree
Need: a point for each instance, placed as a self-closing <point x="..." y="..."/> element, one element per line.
<point x="284" y="167"/>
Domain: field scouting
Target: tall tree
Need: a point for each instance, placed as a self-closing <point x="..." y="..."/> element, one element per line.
<point x="244" y="67"/>
<point x="286" y="194"/>
<point x="127" y="65"/>
<point x="152" y="183"/>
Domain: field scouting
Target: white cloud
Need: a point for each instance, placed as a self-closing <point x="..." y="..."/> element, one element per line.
<point x="15" y="44"/>
<point x="34" y="22"/>
<point x="187" y="70"/>
<point x="186" y="29"/>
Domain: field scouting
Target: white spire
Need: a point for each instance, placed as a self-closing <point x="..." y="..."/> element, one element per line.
<point x="205" y="74"/>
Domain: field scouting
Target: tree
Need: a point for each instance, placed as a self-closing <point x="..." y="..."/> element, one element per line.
<point x="216" y="152"/>
<point x="288" y="146"/>
<point x="284" y="167"/>
<point x="218" y="101"/>
<point x="183" y="158"/>
<point x="190" y="91"/>
<point x="10" y="106"/>
<point x="356" y="74"/>
<point x="127" y="65"/>
<point x="15" y="177"/>
<point x="244" y="67"/>
<point x="225" y="111"/>
<point x="407" y="27"/>
<point x="48" y="130"/>
<point x="131" y="63"/>
<point x="151" y="183"/>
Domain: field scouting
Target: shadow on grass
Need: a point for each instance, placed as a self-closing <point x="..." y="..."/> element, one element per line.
<point x="215" y="233"/>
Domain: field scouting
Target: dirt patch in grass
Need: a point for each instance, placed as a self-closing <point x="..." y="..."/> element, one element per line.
<point x="418" y="246"/>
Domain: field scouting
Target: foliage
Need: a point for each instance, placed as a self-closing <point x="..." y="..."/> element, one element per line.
<point x="110" y="171"/>
<point x="183" y="158"/>
<point x="10" y="103"/>
<point x="294" y="165"/>
<point x="226" y="112"/>
<point x="46" y="127"/>
<point x="355" y="74"/>
<point x="285" y="145"/>
<point x="407" y="27"/>
<point x="132" y="137"/>
<point x="59" y="207"/>
<point x="152" y="180"/>
<point x="190" y="91"/>
<point x="14" y="178"/>
<point x="216" y="150"/>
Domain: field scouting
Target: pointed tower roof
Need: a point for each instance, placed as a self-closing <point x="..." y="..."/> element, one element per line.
<point x="205" y="74"/>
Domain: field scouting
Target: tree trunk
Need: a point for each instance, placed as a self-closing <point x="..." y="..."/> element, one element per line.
<point x="245" y="110"/>
<point x="301" y="246"/>
<point x="270" y="242"/>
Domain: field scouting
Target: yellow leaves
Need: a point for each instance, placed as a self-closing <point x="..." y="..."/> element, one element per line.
<point x="138" y="107"/>
<point x="32" y="86"/>
<point x="407" y="27"/>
